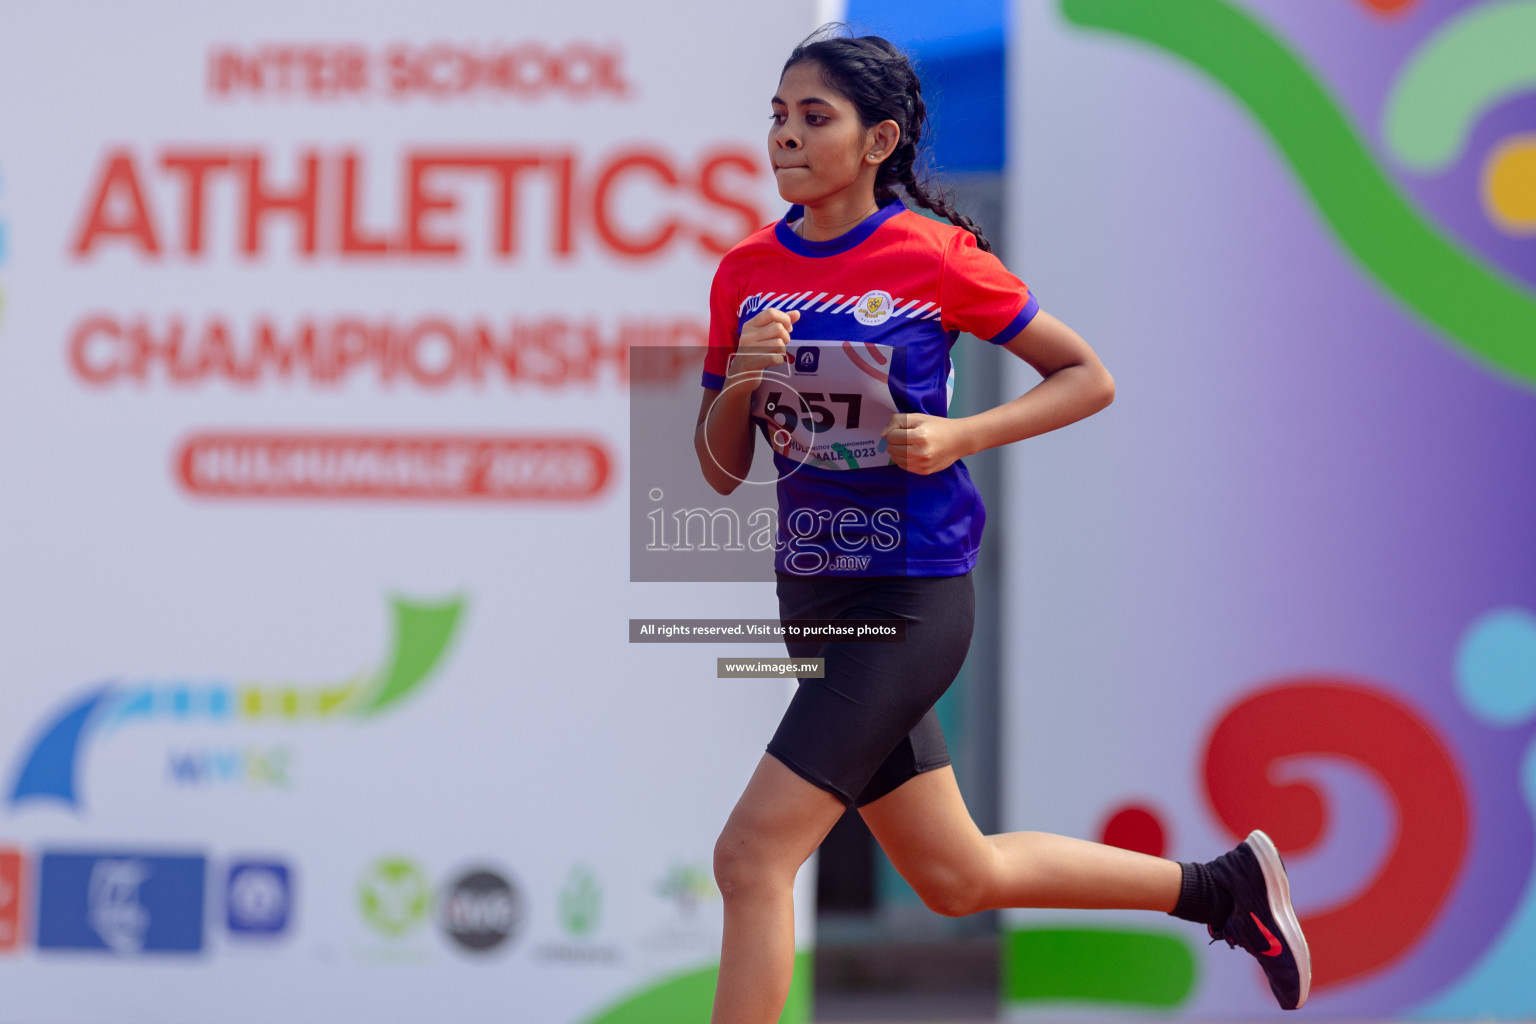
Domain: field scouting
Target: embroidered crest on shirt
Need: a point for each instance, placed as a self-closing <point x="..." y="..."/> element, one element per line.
<point x="873" y="308"/>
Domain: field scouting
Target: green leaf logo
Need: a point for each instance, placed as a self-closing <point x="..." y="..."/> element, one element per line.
<point x="394" y="897"/>
<point x="581" y="902"/>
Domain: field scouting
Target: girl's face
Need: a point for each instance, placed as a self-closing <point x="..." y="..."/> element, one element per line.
<point x="816" y="144"/>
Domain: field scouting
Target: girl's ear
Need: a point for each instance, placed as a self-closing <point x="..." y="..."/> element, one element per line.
<point x="883" y="140"/>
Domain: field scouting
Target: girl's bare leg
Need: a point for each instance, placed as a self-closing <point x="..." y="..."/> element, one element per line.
<point x="778" y="822"/>
<point x="925" y="829"/>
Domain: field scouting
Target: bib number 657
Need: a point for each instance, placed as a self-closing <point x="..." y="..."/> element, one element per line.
<point x="816" y="417"/>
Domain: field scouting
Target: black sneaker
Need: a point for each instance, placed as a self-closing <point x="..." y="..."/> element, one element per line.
<point x="1262" y="920"/>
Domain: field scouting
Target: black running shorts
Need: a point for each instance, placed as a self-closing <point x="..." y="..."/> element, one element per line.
<point x="869" y="725"/>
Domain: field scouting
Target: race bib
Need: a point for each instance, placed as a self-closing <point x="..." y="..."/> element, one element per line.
<point x="827" y="407"/>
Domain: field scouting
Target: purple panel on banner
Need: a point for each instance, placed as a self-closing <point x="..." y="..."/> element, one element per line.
<point x="1311" y="499"/>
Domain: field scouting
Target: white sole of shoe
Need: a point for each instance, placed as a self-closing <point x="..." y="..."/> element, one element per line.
<point x="1278" y="888"/>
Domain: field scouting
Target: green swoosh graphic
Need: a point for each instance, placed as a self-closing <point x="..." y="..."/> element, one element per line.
<point x="422" y="632"/>
<point x="1067" y="965"/>
<point x="845" y="454"/>
<point x="687" y="998"/>
<point x="1479" y="58"/>
<point x="1490" y="316"/>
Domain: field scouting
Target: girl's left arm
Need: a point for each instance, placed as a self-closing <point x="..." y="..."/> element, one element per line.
<point x="1075" y="385"/>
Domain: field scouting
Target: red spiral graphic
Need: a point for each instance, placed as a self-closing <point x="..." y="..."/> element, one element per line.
<point x="1346" y="719"/>
<point x="1389" y="7"/>
<point x="874" y="354"/>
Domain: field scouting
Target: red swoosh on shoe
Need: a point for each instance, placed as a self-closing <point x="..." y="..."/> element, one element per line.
<point x="1275" y="949"/>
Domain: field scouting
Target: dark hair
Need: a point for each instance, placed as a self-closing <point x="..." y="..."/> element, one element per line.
<point x="879" y="81"/>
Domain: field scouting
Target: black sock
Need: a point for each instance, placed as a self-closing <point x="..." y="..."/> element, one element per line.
<point x="1200" y="899"/>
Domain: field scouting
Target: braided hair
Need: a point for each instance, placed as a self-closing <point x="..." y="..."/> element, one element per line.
<point x="879" y="81"/>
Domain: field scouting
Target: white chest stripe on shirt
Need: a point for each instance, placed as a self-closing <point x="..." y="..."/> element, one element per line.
<point x="806" y="301"/>
<point x="752" y="303"/>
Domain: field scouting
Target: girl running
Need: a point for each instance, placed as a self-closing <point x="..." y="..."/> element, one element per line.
<point x="830" y="333"/>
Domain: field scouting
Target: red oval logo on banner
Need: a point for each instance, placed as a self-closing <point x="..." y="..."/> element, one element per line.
<point x="386" y="467"/>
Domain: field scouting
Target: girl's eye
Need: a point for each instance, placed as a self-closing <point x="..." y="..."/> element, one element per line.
<point x="777" y="118"/>
<point x="815" y="118"/>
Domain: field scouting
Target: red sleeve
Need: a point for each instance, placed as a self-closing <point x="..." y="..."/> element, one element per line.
<point x="723" y="332"/>
<point x="980" y="296"/>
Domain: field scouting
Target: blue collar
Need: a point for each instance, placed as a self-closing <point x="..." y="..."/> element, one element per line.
<point x="842" y="243"/>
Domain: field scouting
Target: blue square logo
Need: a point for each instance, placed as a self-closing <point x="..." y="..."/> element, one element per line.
<point x="259" y="898"/>
<point x="808" y="359"/>
<point x="126" y="903"/>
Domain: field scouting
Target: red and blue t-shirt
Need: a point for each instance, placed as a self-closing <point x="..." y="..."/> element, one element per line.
<point x="880" y="307"/>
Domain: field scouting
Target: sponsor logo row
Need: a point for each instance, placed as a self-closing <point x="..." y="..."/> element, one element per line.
<point x="130" y="902"/>
<point x="479" y="910"/>
<point x="133" y="902"/>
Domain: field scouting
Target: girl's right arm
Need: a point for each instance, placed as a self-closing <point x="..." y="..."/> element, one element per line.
<point x="723" y="437"/>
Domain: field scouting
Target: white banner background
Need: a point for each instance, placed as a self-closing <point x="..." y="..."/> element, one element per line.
<point x="541" y="741"/>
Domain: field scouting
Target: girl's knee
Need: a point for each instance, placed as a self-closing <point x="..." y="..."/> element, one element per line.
<point x="955" y="901"/>
<point x="954" y="890"/>
<point x="744" y="865"/>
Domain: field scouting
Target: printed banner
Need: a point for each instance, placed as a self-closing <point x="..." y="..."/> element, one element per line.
<point x="315" y="333"/>
<point x="1287" y="580"/>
